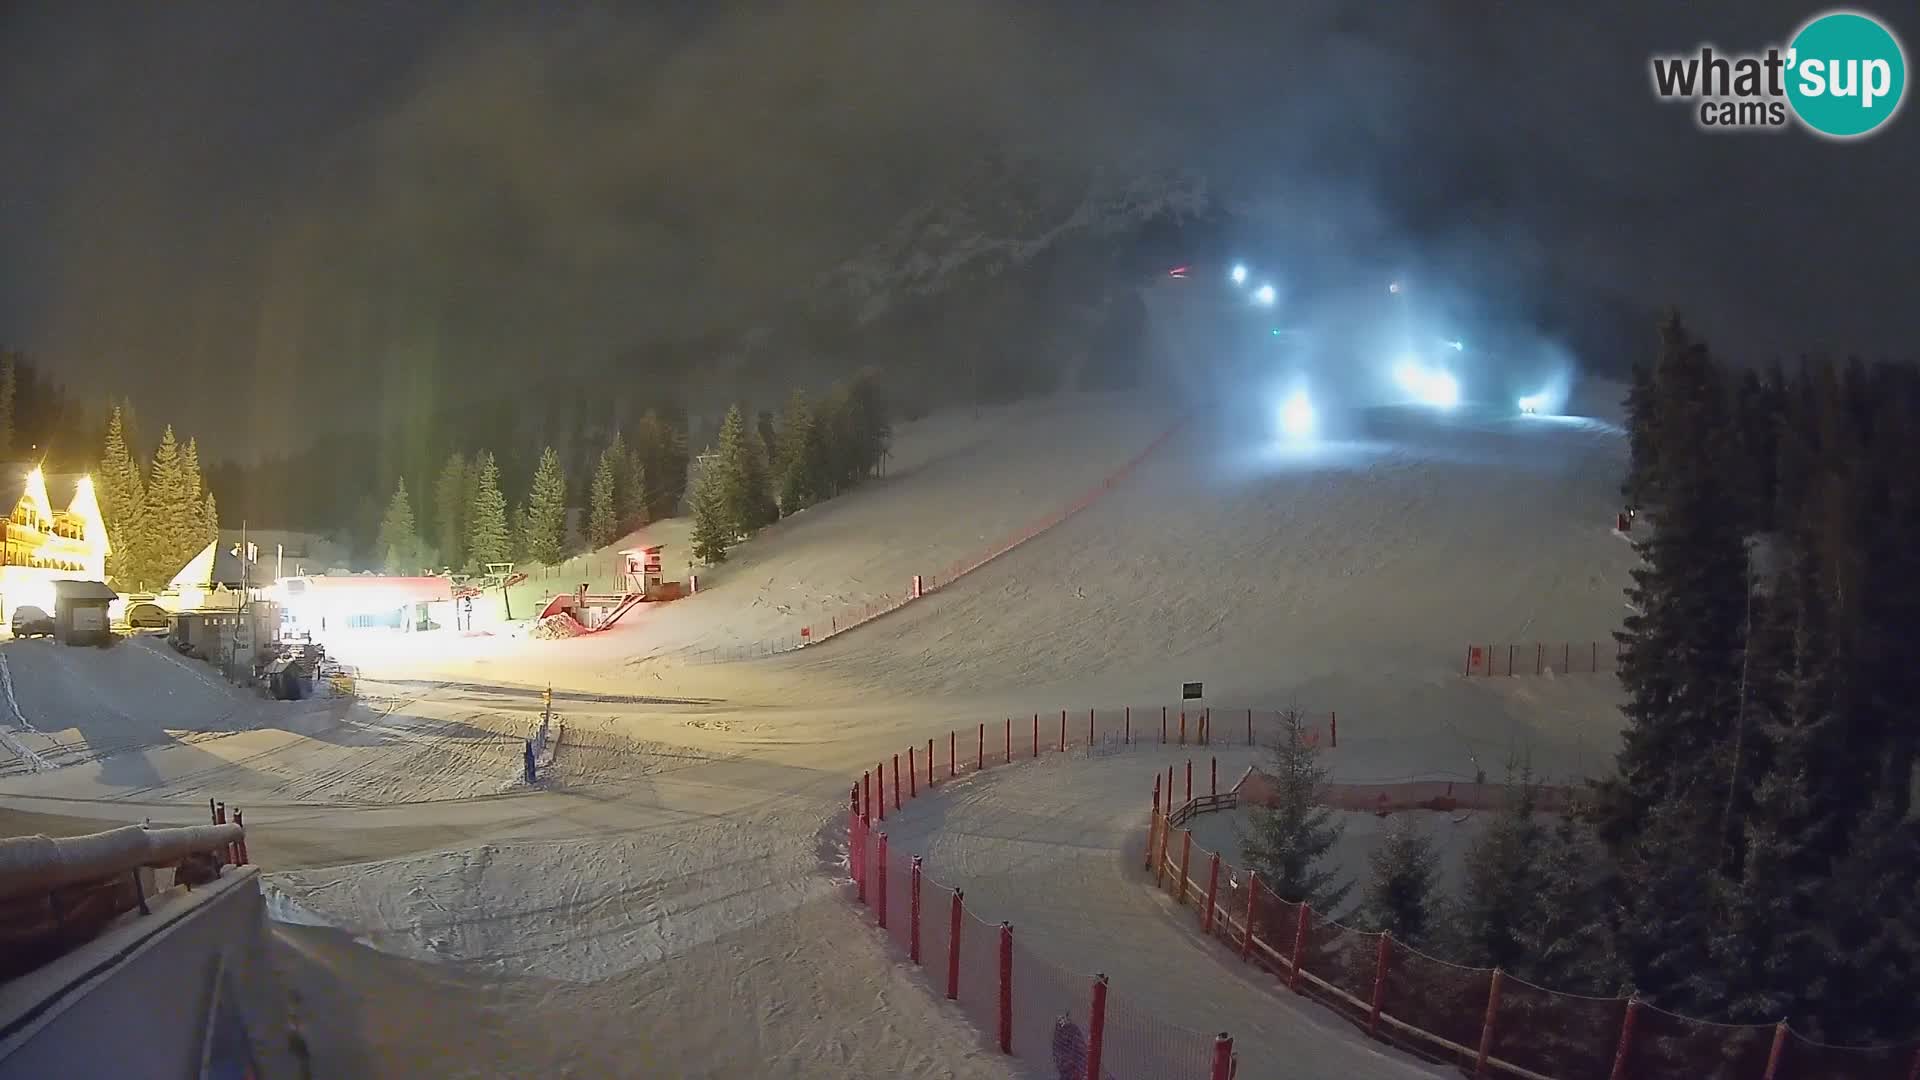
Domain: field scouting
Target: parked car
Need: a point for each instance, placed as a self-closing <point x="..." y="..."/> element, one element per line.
<point x="30" y="621"/>
<point x="147" y="617"/>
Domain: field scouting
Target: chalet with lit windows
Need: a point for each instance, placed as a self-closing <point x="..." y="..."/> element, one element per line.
<point x="54" y="532"/>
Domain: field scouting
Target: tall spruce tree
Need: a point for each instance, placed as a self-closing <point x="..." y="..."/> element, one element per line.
<point x="663" y="451"/>
<point x="713" y="529"/>
<point x="1871" y="926"/>
<point x="1289" y="842"/>
<point x="1400" y="894"/>
<point x="741" y="476"/>
<point x="399" y="544"/>
<point x="633" y="491"/>
<point x="800" y="465"/>
<point x="603" y="520"/>
<point x="210" y="520"/>
<point x="547" y="511"/>
<point x="122" y="497"/>
<point x="1669" y="897"/>
<point x="195" y="497"/>
<point x="1683" y="641"/>
<point x="450" y="510"/>
<point x="171" y="514"/>
<point x="488" y="540"/>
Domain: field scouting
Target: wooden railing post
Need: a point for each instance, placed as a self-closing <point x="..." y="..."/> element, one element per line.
<point x="1777" y="1052"/>
<point x="1624" y="1051"/>
<point x="1487" y="1025"/>
<point x="1253" y="909"/>
<point x="1096" y="1026"/>
<point x="1213" y="890"/>
<point x="1299" y="945"/>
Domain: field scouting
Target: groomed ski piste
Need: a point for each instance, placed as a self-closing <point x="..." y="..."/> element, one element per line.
<point x="670" y="898"/>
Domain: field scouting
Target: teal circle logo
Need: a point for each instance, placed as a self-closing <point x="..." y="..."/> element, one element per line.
<point x="1846" y="74"/>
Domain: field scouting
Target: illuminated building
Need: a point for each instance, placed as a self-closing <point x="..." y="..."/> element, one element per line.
<point x="48" y="540"/>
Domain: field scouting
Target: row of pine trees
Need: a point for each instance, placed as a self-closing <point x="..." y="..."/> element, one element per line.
<point x="1756" y="854"/>
<point x="159" y="515"/>
<point x="753" y="477"/>
<point x="471" y="525"/>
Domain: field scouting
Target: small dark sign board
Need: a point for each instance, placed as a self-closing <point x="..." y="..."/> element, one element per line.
<point x="1190" y="691"/>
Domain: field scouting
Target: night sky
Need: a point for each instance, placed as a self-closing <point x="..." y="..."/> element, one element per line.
<point x="205" y="202"/>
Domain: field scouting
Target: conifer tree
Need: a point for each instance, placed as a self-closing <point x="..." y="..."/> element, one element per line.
<point x="713" y="530"/>
<point x="663" y="450"/>
<point x="170" y="516"/>
<point x="603" y="522"/>
<point x="399" y="543"/>
<point x="1569" y="944"/>
<point x="122" y="498"/>
<point x="450" y="506"/>
<point x="1502" y="880"/>
<point x="800" y="465"/>
<point x="547" y="511"/>
<point x="1400" y="888"/>
<point x="1871" y="926"/>
<point x="769" y="438"/>
<point x="488" y="540"/>
<point x="1683" y="641"/>
<point x="1288" y="843"/>
<point x="190" y="474"/>
<point x="1670" y="890"/>
<point x="741" y="476"/>
<point x="633" y="491"/>
<point x="210" y="520"/>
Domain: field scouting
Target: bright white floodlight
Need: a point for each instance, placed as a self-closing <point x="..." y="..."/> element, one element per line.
<point x="1457" y="345"/>
<point x="1429" y="386"/>
<point x="1533" y="403"/>
<point x="1239" y="274"/>
<point x="1296" y="416"/>
<point x="1264" y="296"/>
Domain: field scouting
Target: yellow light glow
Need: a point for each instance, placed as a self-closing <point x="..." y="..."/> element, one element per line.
<point x="36" y="497"/>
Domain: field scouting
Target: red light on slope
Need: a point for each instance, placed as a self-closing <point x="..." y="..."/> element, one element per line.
<point x="1178" y="272"/>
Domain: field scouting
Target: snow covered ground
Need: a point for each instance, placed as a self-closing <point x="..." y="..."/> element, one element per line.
<point x="664" y="900"/>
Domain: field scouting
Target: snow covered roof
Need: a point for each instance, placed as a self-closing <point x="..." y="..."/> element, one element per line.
<point x="67" y="591"/>
<point x="61" y="489"/>
<point x="371" y="587"/>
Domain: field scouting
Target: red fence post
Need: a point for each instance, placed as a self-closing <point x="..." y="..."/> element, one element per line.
<point x="1222" y="1058"/>
<point x="881" y="883"/>
<point x="953" y="756"/>
<point x="866" y="798"/>
<point x="1153" y="822"/>
<point x="1566" y="658"/>
<point x="1253" y="908"/>
<point x="913" y="936"/>
<point x="1486" y="1026"/>
<point x="1009" y="740"/>
<point x="913" y="776"/>
<point x="1186" y="859"/>
<point x="1539" y="658"/>
<point x="1379" y="983"/>
<point x="1126" y="731"/>
<point x="880" y="787"/>
<point x="929" y="763"/>
<point x="1096" y="1026"/>
<point x="1006" y="988"/>
<point x="1183" y="727"/>
<point x="980" y="751"/>
<point x="1213" y="891"/>
<point x="1594" y="659"/>
<point x="1469" y="660"/>
<point x="1090" y="731"/>
<point x="896" y="781"/>
<point x="953" y="948"/>
<point x="1163" y="725"/>
<point x="1189" y="779"/>
<point x="1333" y="728"/>
<point x="1169" y="789"/>
<point x="1777" y="1052"/>
<point x="1625" y="1049"/>
<point x="1213" y="769"/>
<point x="1036" y="734"/>
<point x="1063" y="731"/>
<point x="1510" y="648"/>
<point x="1249" y="727"/>
<point x="1299" y="945"/>
<point x="1166" y="835"/>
